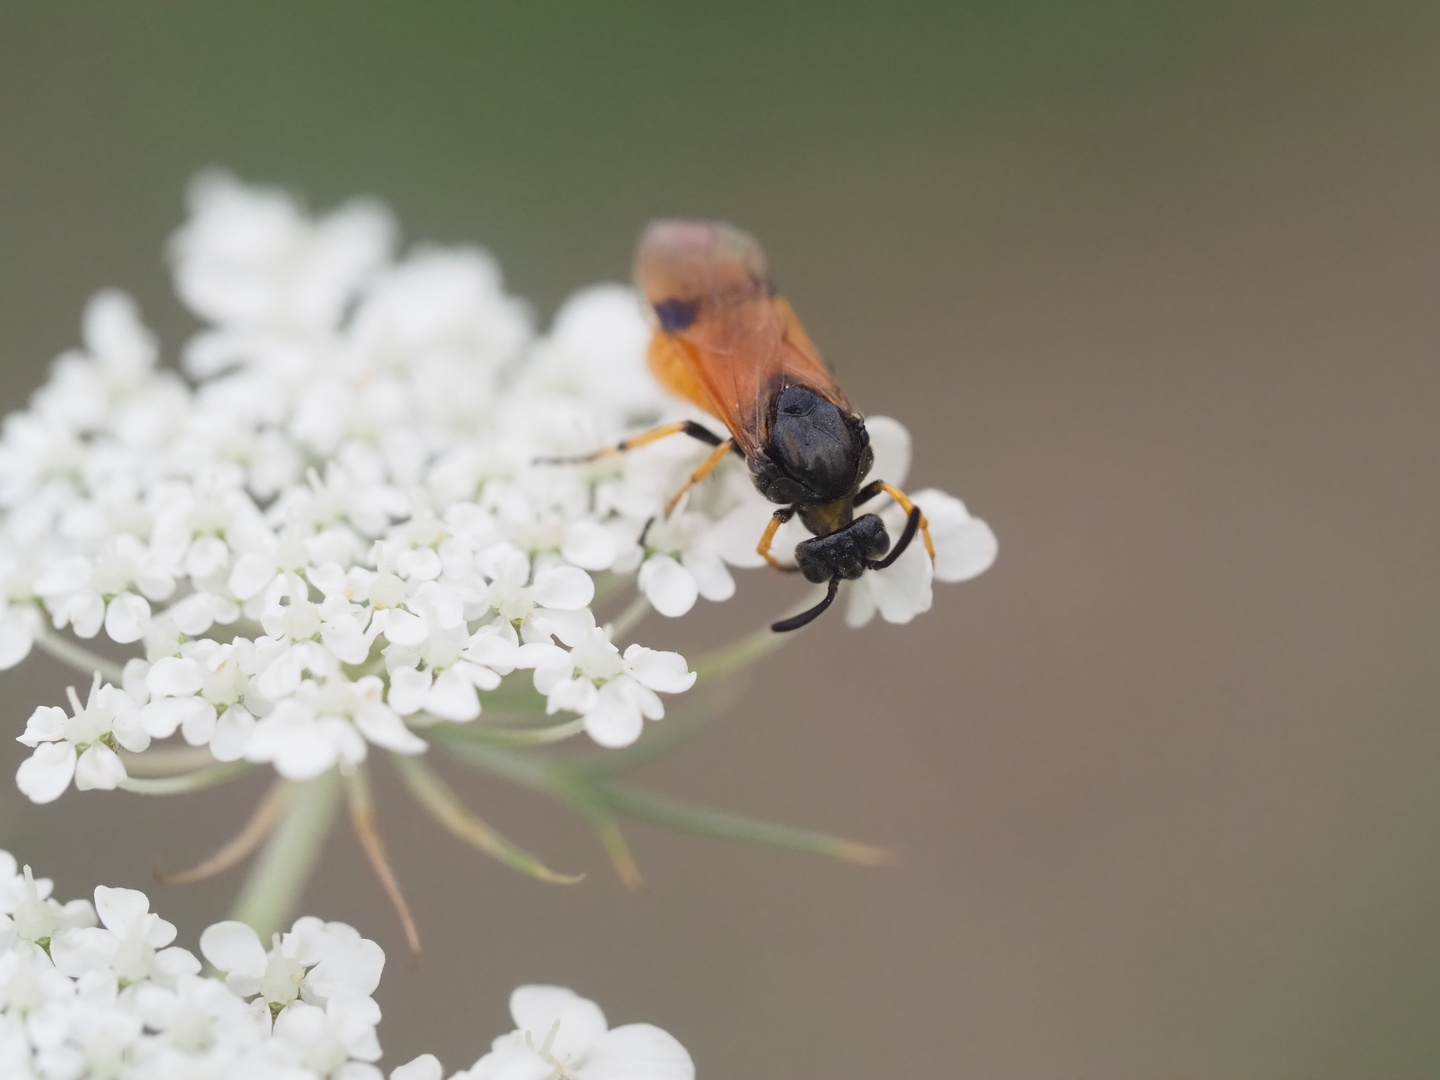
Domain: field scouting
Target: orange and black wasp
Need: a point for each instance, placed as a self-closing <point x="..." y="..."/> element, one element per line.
<point x="727" y="342"/>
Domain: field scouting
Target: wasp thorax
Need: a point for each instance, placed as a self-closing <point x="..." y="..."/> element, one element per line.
<point x="815" y="443"/>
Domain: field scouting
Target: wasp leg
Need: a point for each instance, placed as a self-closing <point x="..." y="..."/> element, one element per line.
<point x="875" y="487"/>
<point x="780" y="517"/>
<point x="706" y="468"/>
<point x="912" y="524"/>
<point x="810" y="615"/>
<point x="680" y="427"/>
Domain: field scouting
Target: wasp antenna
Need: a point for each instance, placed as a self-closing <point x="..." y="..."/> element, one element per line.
<point x="912" y="525"/>
<point x="795" y="622"/>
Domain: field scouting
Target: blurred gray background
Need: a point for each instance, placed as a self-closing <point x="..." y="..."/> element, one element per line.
<point x="1154" y="286"/>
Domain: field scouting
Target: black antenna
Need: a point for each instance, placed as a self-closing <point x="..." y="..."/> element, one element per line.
<point x="807" y="617"/>
<point x="912" y="523"/>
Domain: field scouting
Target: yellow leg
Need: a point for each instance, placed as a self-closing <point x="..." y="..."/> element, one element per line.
<point x="706" y="468"/>
<point x="685" y="427"/>
<point x="780" y="517"/>
<point x="906" y="505"/>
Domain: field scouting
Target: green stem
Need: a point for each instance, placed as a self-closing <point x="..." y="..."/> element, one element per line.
<point x="627" y="620"/>
<point x="661" y="736"/>
<point x="706" y="821"/>
<point x="496" y="736"/>
<point x="77" y="656"/>
<point x="186" y="782"/>
<point x="739" y="654"/>
<point x="277" y="879"/>
<point x="436" y="797"/>
<point x="167" y="761"/>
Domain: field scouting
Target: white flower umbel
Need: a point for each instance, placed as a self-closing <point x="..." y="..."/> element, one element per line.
<point x="561" y="1036"/>
<point x="334" y="527"/>
<point x="119" y="1002"/>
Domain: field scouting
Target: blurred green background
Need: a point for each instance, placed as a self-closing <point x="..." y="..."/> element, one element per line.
<point x="1153" y="285"/>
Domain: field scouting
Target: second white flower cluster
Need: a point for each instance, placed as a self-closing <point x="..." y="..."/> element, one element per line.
<point x="101" y="991"/>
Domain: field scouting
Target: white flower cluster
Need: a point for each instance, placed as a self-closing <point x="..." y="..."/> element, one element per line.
<point x="100" y="993"/>
<point x="561" y="1036"/>
<point x="333" y="530"/>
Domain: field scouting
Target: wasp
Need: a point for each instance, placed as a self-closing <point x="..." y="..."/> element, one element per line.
<point x="727" y="342"/>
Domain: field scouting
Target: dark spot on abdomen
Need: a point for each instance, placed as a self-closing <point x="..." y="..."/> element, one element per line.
<point x="676" y="315"/>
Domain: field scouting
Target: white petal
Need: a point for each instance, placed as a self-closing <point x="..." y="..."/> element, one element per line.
<point x="85" y="613"/>
<point x="666" y="672"/>
<point x="566" y="588"/>
<point x="639" y="1052"/>
<point x="46" y="724"/>
<point x="346" y="640"/>
<point x="233" y="946"/>
<point x="174" y="676"/>
<point x="300" y="751"/>
<point x="250" y="575"/>
<point x="902" y="590"/>
<point x="98" y="768"/>
<point x="193" y="615"/>
<point x="571" y="627"/>
<point x="509" y="1059"/>
<point x="329" y="578"/>
<point x="408" y="687"/>
<point x="494" y="647"/>
<point x="418" y="564"/>
<point x="383" y="727"/>
<point x="175" y="962"/>
<point x="536" y="1008"/>
<point x="965" y="546"/>
<point x="127" y="618"/>
<point x="571" y="695"/>
<point x="403" y="628"/>
<point x="442" y="605"/>
<point x="424" y="1067"/>
<point x="711" y="576"/>
<point x="132" y="679"/>
<point x="588" y="545"/>
<point x="76" y="952"/>
<point x="670" y="588"/>
<point x="891" y="443"/>
<point x="649" y="703"/>
<point x="120" y="909"/>
<point x="17" y="634"/>
<point x="199" y="724"/>
<point x="479" y="676"/>
<point x="114" y="333"/>
<point x="861" y="607"/>
<point x="129" y="730"/>
<point x="45" y="774"/>
<point x="232" y="733"/>
<point x="206" y="555"/>
<point x="161" y="718"/>
<point x="541" y="654"/>
<point x="615" y="719"/>
<point x="453" y="697"/>
<point x="354" y="967"/>
<point x="504" y="562"/>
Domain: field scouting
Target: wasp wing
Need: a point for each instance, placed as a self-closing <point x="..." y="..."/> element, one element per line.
<point x="724" y="341"/>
